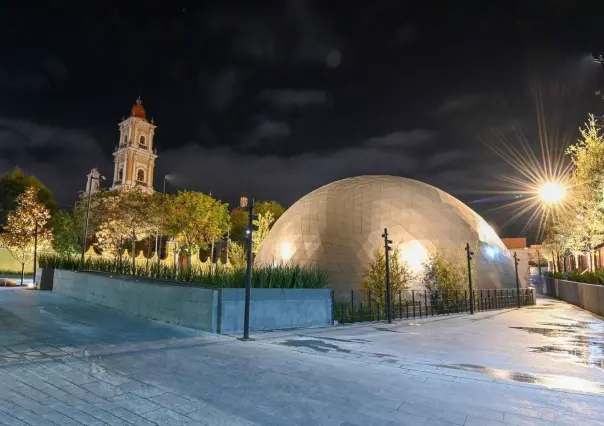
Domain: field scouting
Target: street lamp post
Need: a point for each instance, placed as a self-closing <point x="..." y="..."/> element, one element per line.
<point x="517" y="280"/>
<point x="35" y="253"/>
<point x="92" y="177"/>
<point x="248" y="273"/>
<point x="387" y="249"/>
<point x="469" y="254"/>
<point x="158" y="237"/>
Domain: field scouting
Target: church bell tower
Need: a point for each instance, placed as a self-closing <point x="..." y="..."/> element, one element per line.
<point x="135" y="154"/>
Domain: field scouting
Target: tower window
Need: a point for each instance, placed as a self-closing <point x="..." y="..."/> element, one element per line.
<point x="141" y="141"/>
<point x="140" y="175"/>
<point x="120" y="175"/>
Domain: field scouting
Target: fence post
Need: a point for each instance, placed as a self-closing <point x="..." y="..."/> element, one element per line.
<point x="489" y="307"/>
<point x="351" y="305"/>
<point x="426" y="302"/>
<point x="400" y="305"/>
<point x="333" y="310"/>
<point x="413" y="298"/>
<point x="370" y="313"/>
<point x="517" y="280"/>
<point x="465" y="298"/>
<point x="361" y="306"/>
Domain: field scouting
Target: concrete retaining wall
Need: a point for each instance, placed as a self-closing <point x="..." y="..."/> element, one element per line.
<point x="188" y="306"/>
<point x="586" y="296"/>
<point x="273" y="309"/>
<point x="214" y="310"/>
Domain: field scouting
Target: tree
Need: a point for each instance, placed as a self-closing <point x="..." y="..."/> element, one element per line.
<point x="264" y="223"/>
<point x="264" y="207"/>
<point x="239" y="222"/>
<point x="586" y="211"/>
<point x="65" y="233"/>
<point x="195" y="220"/>
<point x="237" y="255"/>
<point x="25" y="226"/>
<point x="446" y="273"/>
<point x="374" y="278"/>
<point x="14" y="184"/>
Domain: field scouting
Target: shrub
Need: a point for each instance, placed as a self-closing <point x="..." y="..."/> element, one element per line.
<point x="283" y="276"/>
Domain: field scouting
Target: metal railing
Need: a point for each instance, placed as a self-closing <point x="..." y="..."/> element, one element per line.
<point x="361" y="306"/>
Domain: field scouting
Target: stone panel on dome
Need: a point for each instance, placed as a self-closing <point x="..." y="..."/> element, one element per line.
<point x="338" y="226"/>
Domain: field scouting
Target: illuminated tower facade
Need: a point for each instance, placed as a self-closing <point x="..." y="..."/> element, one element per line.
<point x="135" y="154"/>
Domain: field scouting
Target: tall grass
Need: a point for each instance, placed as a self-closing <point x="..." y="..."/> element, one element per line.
<point x="283" y="276"/>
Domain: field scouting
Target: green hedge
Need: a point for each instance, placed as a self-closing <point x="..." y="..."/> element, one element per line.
<point x="284" y="276"/>
<point x="588" y="277"/>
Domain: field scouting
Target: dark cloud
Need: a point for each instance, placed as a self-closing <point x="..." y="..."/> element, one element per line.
<point x="268" y="129"/>
<point x="288" y="98"/>
<point x="59" y="157"/>
<point x="221" y="88"/>
<point x="411" y="138"/>
<point x="459" y="104"/>
<point x="283" y="178"/>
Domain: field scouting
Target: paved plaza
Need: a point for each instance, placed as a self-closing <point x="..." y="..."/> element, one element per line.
<point x="66" y="362"/>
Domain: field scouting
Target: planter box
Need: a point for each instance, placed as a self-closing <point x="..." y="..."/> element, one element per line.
<point x="44" y="279"/>
<point x="586" y="296"/>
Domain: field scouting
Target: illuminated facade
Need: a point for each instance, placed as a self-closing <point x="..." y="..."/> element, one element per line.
<point x="338" y="226"/>
<point x="135" y="154"/>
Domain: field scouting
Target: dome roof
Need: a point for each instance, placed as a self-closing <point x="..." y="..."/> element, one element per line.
<point x="338" y="226"/>
<point x="137" y="110"/>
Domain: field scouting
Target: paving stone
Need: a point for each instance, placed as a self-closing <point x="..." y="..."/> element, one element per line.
<point x="177" y="403"/>
<point x="134" y="403"/>
<point x="7" y="419"/>
<point x="130" y="417"/>
<point x="103" y="389"/>
<point x="142" y="389"/>
<point x="480" y="421"/>
<point x="108" y="418"/>
<point x="164" y="416"/>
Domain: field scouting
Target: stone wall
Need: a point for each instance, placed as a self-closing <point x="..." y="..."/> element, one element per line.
<point x="214" y="310"/>
<point x="189" y="306"/>
<point x="273" y="309"/>
<point x="586" y="296"/>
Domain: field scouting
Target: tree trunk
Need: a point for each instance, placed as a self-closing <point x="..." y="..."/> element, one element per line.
<point x="22" y="272"/>
<point x="133" y="255"/>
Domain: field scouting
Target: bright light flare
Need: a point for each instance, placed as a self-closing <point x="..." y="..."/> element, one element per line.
<point x="552" y="192"/>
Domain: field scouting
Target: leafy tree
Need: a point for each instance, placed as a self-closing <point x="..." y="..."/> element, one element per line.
<point x="65" y="233"/>
<point x="237" y="255"/>
<point x="195" y="220"/>
<point x="239" y="220"/>
<point x="239" y="217"/>
<point x="374" y="278"/>
<point x="445" y="273"/>
<point x="264" y="207"/>
<point x="24" y="226"/>
<point x="584" y="221"/>
<point x="264" y="223"/>
<point x="14" y="184"/>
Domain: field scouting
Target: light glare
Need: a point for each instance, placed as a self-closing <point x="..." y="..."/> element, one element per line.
<point x="552" y="192"/>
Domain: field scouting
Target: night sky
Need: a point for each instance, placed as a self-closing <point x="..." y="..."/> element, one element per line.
<point x="278" y="98"/>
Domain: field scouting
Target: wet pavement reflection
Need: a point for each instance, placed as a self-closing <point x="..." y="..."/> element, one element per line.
<point x="584" y="340"/>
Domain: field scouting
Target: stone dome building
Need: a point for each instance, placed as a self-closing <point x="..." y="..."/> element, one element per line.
<point x="338" y="226"/>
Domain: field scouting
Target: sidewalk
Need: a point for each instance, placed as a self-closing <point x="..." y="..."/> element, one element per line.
<point x="66" y="362"/>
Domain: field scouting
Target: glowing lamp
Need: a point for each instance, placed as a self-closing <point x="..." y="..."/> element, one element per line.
<point x="552" y="192"/>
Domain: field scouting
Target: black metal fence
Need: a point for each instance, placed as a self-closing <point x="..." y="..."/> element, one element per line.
<point x="360" y="305"/>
